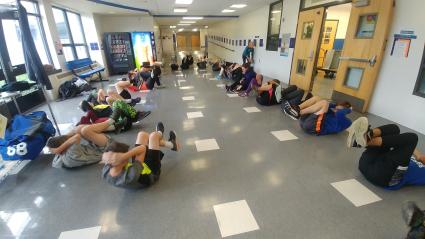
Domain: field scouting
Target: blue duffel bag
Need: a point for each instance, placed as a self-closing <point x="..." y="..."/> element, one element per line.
<point x="26" y="136"/>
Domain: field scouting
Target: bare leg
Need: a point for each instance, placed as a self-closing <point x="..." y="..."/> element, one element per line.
<point x="122" y="85"/>
<point x="313" y="100"/>
<point x="142" y="138"/>
<point x="93" y="133"/>
<point x="155" y="140"/>
<point x="318" y="108"/>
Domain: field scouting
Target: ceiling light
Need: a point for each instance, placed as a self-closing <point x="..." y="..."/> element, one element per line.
<point x="172" y="27"/>
<point x="277" y="11"/>
<point x="180" y="9"/>
<point x="195" y="29"/>
<point x="206" y="26"/>
<point x="181" y="29"/>
<point x="186" y="2"/>
<point x="238" y="6"/>
<point x="191" y="22"/>
<point x="227" y="10"/>
<point x="193" y="18"/>
<point x="184" y="24"/>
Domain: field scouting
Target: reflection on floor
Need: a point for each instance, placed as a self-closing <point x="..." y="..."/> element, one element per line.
<point x="323" y="86"/>
<point x="239" y="174"/>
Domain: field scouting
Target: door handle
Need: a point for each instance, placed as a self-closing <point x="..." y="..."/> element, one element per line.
<point x="371" y="61"/>
<point x="311" y="57"/>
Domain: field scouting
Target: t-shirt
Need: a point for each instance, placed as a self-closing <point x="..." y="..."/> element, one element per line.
<point x="248" y="76"/>
<point x="248" y="52"/>
<point x="79" y="155"/>
<point x="335" y="122"/>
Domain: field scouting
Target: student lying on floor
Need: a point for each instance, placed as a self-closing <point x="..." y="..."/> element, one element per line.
<point x="70" y="152"/>
<point x="242" y="85"/>
<point x="256" y="85"/>
<point x="390" y="159"/>
<point x="100" y="97"/>
<point x="141" y="166"/>
<point x="319" y="117"/>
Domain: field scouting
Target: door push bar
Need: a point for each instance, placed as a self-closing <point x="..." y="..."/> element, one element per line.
<point x="371" y="61"/>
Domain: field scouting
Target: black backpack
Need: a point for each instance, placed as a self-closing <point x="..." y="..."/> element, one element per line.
<point x="68" y="90"/>
<point x="174" y="67"/>
<point x="216" y="67"/>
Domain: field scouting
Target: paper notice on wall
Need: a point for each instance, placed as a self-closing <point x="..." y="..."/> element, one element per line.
<point x="401" y="48"/>
<point x="286" y="39"/>
<point x="3" y="124"/>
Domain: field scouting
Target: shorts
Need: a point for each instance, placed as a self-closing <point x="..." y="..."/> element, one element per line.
<point x="312" y="123"/>
<point x="125" y="94"/>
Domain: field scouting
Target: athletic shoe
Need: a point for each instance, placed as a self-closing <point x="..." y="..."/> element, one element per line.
<point x="357" y="133"/>
<point x="119" y="125"/>
<point x="135" y="101"/>
<point x="218" y="77"/>
<point x="142" y="114"/>
<point x="243" y="94"/>
<point x="160" y="127"/>
<point x="173" y="139"/>
<point x="227" y="88"/>
<point x="291" y="111"/>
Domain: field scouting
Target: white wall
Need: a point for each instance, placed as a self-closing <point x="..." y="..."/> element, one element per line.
<point x="91" y="35"/>
<point x="110" y="23"/>
<point x="342" y="14"/>
<point x="167" y="42"/>
<point x="393" y="98"/>
<point x="268" y="63"/>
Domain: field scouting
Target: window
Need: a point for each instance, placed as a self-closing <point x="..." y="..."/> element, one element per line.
<point x="71" y="34"/>
<point x="420" y="83"/>
<point x="314" y="3"/>
<point x="275" y="16"/>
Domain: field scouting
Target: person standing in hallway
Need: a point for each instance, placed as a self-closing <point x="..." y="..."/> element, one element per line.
<point x="248" y="53"/>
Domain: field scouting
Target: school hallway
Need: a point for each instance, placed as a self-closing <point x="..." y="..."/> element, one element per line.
<point x="280" y="189"/>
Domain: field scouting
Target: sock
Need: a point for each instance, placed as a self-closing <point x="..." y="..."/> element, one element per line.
<point x="168" y="144"/>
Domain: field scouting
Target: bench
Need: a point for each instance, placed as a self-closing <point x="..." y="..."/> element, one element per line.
<point x="83" y="68"/>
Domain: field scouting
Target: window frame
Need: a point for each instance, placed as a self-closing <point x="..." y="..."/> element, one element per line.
<point x="73" y="45"/>
<point x="421" y="77"/>
<point x="268" y="46"/>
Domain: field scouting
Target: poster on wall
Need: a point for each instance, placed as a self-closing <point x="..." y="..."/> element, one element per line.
<point x="286" y="39"/>
<point x="143" y="48"/>
<point x="402" y="42"/>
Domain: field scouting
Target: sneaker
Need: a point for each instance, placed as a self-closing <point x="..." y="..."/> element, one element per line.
<point x="218" y="77"/>
<point x="291" y="111"/>
<point x="160" y="127"/>
<point x="120" y="124"/>
<point x="173" y="139"/>
<point x="227" y="88"/>
<point x="135" y="101"/>
<point x="357" y="133"/>
<point x="243" y="94"/>
<point x="142" y="114"/>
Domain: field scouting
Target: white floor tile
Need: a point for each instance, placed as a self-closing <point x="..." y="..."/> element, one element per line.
<point x="221" y="86"/>
<point x="181" y="81"/>
<point x="86" y="233"/>
<point x="206" y="145"/>
<point x="235" y="218"/>
<point x="284" y="135"/>
<point x="213" y="79"/>
<point x="356" y="193"/>
<point x="233" y="95"/>
<point x="188" y="98"/>
<point x="252" y="109"/>
<point x="186" y="87"/>
<point x="193" y="115"/>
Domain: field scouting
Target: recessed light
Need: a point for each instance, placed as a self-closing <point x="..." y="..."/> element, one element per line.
<point x="206" y="26"/>
<point x="184" y="24"/>
<point x="227" y="10"/>
<point x="238" y="6"/>
<point x="180" y="9"/>
<point x="181" y="29"/>
<point x="191" y="22"/>
<point x="195" y="29"/>
<point x="172" y="27"/>
<point x="186" y="2"/>
<point x="193" y="18"/>
<point x="277" y="11"/>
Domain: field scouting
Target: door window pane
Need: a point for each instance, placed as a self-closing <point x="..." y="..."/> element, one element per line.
<point x="354" y="77"/>
<point x="75" y="26"/>
<point x="67" y="51"/>
<point x="301" y="66"/>
<point x="421" y="83"/>
<point x="366" y="26"/>
<point x="12" y="34"/>
<point x="81" y="52"/>
<point x="307" y="30"/>
<point x="61" y="26"/>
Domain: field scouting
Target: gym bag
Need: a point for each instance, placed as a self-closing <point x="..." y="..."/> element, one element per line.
<point x="26" y="136"/>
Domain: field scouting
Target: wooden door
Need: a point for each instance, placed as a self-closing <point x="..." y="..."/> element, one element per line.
<point x="196" y="41"/>
<point x="307" y="45"/>
<point x="181" y="41"/>
<point x="363" y="52"/>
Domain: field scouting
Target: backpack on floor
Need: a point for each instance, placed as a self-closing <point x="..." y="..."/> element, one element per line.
<point x="174" y="67"/>
<point x="202" y="65"/>
<point x="26" y="136"/>
<point x="216" y="67"/>
<point x="184" y="66"/>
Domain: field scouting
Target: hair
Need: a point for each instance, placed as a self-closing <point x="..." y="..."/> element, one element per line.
<point x="85" y="106"/>
<point x="117" y="147"/>
<point x="345" y="104"/>
<point x="246" y="65"/>
<point x="55" y="142"/>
